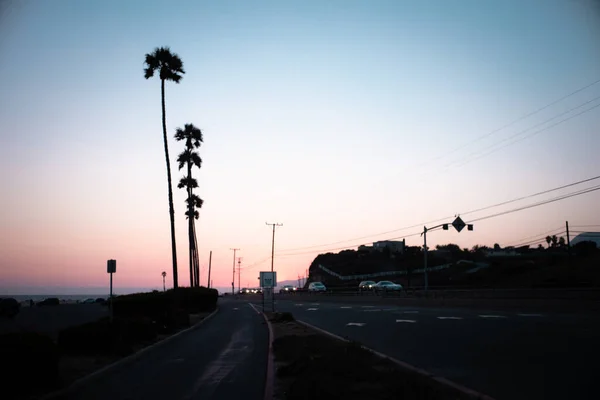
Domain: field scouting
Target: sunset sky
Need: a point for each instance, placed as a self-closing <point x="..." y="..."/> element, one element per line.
<point x="340" y="119"/>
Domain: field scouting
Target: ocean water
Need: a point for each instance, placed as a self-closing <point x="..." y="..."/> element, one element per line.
<point x="62" y="297"/>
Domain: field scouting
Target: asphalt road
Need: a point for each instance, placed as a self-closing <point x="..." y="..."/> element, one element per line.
<point x="51" y="319"/>
<point x="224" y="358"/>
<point x="504" y="354"/>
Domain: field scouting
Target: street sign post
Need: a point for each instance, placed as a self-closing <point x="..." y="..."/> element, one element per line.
<point x="111" y="268"/>
<point x="268" y="281"/>
<point x="458" y="224"/>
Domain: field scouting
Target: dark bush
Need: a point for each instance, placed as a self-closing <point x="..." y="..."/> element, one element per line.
<point x="30" y="364"/>
<point x="102" y="337"/>
<point x="9" y="307"/>
<point x="197" y="300"/>
<point x="52" y="301"/>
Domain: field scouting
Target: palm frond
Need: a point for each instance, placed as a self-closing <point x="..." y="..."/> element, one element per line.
<point x="187" y="182"/>
<point x="195" y="159"/>
<point x="168" y="64"/>
<point x="184" y="158"/>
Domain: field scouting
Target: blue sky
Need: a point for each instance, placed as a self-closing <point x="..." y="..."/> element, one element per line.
<point x="336" y="118"/>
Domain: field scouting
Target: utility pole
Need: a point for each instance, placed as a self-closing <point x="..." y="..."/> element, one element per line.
<point x="568" y="238"/>
<point x="239" y="272"/>
<point x="209" y="265"/>
<point x="273" y="243"/>
<point x="233" y="278"/>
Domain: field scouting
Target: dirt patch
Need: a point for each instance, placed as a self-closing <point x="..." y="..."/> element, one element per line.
<point x="310" y="365"/>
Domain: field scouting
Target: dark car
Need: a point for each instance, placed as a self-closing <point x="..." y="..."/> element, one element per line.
<point x="52" y="301"/>
<point x="9" y="307"/>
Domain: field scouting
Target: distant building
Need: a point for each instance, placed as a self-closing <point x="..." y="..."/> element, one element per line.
<point x="394" y="246"/>
<point x="587" y="237"/>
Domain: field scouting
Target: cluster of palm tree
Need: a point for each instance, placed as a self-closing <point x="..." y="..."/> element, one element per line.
<point x="169" y="67"/>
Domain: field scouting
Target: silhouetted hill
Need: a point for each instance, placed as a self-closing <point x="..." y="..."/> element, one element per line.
<point x="450" y="266"/>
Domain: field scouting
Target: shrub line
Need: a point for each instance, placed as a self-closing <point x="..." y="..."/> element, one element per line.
<point x="126" y="360"/>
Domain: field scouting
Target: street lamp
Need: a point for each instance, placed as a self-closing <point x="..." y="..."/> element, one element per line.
<point x="164" y="275"/>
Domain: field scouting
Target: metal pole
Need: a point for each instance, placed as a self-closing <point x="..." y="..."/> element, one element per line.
<point x="233" y="277"/>
<point x="273" y="248"/>
<point x="425" y="257"/>
<point x="568" y="239"/>
<point x="209" y="264"/>
<point x="111" y="298"/>
<point x="239" y="273"/>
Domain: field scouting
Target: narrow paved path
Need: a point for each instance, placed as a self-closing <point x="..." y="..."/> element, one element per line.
<point x="225" y="358"/>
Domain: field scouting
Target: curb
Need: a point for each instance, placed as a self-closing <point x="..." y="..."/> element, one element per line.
<point x="123" y="361"/>
<point x="270" y="379"/>
<point x="468" y="393"/>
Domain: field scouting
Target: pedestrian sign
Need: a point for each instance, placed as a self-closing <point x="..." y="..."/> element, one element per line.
<point x="458" y="224"/>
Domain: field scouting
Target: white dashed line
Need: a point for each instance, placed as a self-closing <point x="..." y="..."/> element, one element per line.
<point x="367" y="306"/>
<point x="355" y="324"/>
<point x="299" y="305"/>
<point x="345" y="307"/>
<point x="529" y="315"/>
<point x="449" y="317"/>
<point x="492" y="316"/>
<point x="410" y="312"/>
<point x="372" y="310"/>
<point x="235" y="308"/>
<point x="311" y="309"/>
<point x="412" y="321"/>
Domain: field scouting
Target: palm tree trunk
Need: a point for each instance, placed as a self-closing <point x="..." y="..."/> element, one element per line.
<point x="190" y="226"/>
<point x="171" y="209"/>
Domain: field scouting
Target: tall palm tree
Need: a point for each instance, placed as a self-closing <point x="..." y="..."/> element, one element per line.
<point x="170" y="68"/>
<point x="190" y="158"/>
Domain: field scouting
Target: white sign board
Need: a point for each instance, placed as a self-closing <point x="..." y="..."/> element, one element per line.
<point x="268" y="279"/>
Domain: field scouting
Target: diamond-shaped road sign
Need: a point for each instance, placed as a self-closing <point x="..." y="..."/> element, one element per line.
<point x="458" y="224"/>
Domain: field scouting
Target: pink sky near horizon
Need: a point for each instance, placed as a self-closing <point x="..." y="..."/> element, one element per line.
<point x="319" y="124"/>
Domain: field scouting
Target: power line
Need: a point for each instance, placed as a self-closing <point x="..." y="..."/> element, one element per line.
<point x="540" y="203"/>
<point x="526" y="136"/>
<point x="518" y="120"/>
<point x="552" y="231"/>
<point x="443" y="219"/>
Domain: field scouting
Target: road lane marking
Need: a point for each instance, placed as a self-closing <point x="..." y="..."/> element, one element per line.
<point x="299" y="305"/>
<point x="311" y="309"/>
<point x="355" y="324"/>
<point x="254" y="308"/>
<point x="529" y="315"/>
<point x="410" y="312"/>
<point x="367" y="306"/>
<point x="493" y="316"/>
<point x="412" y="321"/>
<point x="314" y="304"/>
<point x="345" y="307"/>
<point x="449" y="317"/>
<point x="235" y="308"/>
<point x="372" y="310"/>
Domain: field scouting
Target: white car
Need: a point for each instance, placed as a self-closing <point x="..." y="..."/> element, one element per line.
<point x="316" y="287"/>
<point x="387" y="286"/>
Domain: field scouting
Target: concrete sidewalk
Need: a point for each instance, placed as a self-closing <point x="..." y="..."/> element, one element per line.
<point x="225" y="358"/>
